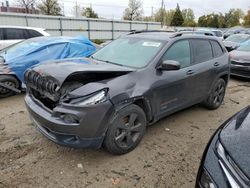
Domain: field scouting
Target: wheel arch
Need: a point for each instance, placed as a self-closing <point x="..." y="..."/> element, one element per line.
<point x="142" y="102"/>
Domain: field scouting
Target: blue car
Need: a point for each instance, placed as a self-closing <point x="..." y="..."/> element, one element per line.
<point x="16" y="59"/>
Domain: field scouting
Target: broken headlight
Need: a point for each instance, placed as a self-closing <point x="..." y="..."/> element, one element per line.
<point x="95" y="98"/>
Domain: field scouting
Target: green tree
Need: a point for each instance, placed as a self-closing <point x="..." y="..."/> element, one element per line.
<point x="189" y="18"/>
<point x="247" y="19"/>
<point x="148" y="18"/>
<point x="134" y="10"/>
<point x="233" y="17"/>
<point x="50" y="7"/>
<point x="167" y="16"/>
<point x="177" y="18"/>
<point x="89" y="13"/>
<point x="202" y="21"/>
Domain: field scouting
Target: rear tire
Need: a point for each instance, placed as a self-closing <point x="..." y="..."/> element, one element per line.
<point x="126" y="130"/>
<point x="216" y="97"/>
<point x="10" y="81"/>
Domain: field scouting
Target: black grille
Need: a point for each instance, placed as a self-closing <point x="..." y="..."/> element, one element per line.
<point x="42" y="86"/>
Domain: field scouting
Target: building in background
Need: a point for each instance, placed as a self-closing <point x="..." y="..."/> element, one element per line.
<point x="5" y="7"/>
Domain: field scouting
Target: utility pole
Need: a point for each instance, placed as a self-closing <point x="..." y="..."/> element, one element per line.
<point x="76" y="9"/>
<point x="162" y="13"/>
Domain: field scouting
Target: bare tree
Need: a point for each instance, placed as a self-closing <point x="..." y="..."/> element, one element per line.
<point x="27" y="4"/>
<point x="134" y="10"/>
<point x="50" y="7"/>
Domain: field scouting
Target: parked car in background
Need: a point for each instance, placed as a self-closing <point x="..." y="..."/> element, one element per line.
<point x="234" y="41"/>
<point x="218" y="33"/>
<point x="13" y="34"/>
<point x="213" y="32"/>
<point x="225" y="162"/>
<point x="240" y="60"/>
<point x="129" y="84"/>
<point x="233" y="31"/>
<point x="23" y="55"/>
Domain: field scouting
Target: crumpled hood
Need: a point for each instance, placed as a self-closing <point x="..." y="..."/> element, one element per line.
<point x="240" y="56"/>
<point x="235" y="138"/>
<point x="62" y="69"/>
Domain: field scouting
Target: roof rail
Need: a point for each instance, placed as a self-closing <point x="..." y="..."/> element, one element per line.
<point x="179" y="34"/>
<point x="147" y="31"/>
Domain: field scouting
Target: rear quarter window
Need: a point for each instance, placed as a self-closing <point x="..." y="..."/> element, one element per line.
<point x="33" y="33"/>
<point x="202" y="50"/>
<point x="218" y="51"/>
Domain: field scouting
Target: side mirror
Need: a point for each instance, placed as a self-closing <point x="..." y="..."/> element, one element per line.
<point x="169" y="65"/>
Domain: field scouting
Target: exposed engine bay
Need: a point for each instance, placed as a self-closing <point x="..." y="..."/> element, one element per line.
<point x="49" y="91"/>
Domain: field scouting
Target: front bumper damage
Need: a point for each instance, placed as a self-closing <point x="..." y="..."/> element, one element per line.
<point x="86" y="131"/>
<point x="240" y="69"/>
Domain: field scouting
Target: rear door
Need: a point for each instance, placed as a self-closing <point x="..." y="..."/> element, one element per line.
<point x="14" y="35"/>
<point x="203" y="67"/>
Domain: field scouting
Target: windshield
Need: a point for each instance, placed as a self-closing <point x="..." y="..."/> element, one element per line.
<point x="20" y="48"/>
<point x="131" y="52"/>
<point x="237" y="38"/>
<point x="245" y="46"/>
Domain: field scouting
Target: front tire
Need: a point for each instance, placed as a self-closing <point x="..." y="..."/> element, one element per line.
<point x="126" y="130"/>
<point x="216" y="97"/>
<point x="10" y="81"/>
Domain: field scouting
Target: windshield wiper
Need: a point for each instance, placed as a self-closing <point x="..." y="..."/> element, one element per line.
<point x="106" y="61"/>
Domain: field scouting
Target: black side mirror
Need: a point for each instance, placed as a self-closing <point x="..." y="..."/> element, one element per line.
<point x="169" y="65"/>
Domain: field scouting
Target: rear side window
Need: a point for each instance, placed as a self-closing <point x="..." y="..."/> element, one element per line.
<point x="15" y="34"/>
<point x="179" y="51"/>
<point x="217" y="49"/>
<point x="33" y="33"/>
<point x="202" y="50"/>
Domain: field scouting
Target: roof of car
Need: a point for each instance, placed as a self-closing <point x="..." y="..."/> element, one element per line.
<point x="166" y="35"/>
<point x="21" y="27"/>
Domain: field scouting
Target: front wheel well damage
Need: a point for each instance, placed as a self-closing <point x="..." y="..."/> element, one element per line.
<point x="225" y="77"/>
<point x="142" y="102"/>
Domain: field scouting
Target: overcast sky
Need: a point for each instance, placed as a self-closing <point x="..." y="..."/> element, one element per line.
<point x="114" y="8"/>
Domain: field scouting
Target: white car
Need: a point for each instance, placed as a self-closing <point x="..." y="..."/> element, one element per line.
<point x="10" y="35"/>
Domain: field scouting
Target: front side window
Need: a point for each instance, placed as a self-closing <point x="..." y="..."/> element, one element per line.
<point x="202" y="50"/>
<point x="15" y="34"/>
<point x="179" y="51"/>
<point x="131" y="52"/>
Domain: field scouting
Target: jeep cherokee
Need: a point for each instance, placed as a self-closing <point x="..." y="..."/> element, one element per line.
<point x="109" y="98"/>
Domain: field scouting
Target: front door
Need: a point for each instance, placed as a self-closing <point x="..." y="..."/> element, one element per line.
<point x="173" y="90"/>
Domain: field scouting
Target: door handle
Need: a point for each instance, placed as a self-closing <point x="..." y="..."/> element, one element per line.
<point x="216" y="64"/>
<point x="190" y="72"/>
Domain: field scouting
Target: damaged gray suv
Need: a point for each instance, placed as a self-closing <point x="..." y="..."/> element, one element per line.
<point x="111" y="97"/>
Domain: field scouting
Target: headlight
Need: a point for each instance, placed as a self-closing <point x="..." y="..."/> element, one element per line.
<point x="94" y="98"/>
<point x="227" y="167"/>
<point x="205" y="180"/>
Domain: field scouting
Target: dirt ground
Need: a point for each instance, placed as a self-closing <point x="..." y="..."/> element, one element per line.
<point x="168" y="156"/>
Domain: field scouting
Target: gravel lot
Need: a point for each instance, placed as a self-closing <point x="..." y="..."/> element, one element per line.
<point x="168" y="156"/>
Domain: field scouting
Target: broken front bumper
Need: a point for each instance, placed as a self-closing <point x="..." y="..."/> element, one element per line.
<point x="240" y="70"/>
<point x="87" y="132"/>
